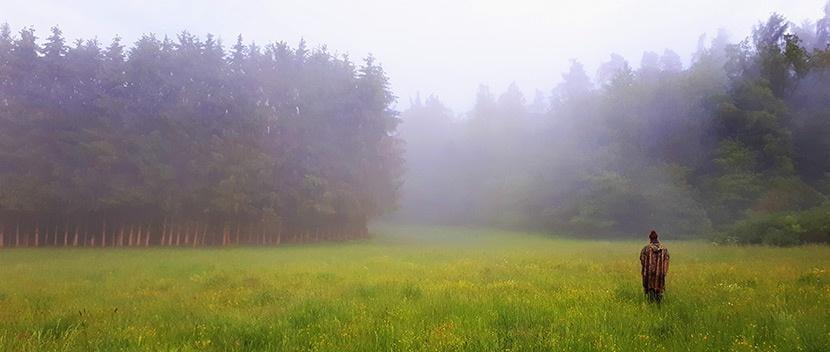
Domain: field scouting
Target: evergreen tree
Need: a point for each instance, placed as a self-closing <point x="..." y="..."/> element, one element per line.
<point x="175" y="142"/>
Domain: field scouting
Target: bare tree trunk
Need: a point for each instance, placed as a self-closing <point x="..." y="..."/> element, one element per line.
<point x="131" y="236"/>
<point x="89" y="234"/>
<point x="193" y="232"/>
<point x="195" y="235"/>
<point x="237" y="233"/>
<point x="145" y="235"/>
<point x="2" y="235"/>
<point x="138" y="235"/>
<point x="37" y="234"/>
<point x="178" y="234"/>
<point x="163" y="231"/>
<point x="75" y="241"/>
<point x="65" y="235"/>
<point x="104" y="234"/>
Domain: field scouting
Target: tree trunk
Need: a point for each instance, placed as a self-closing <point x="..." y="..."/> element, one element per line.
<point x="65" y="235"/>
<point x="75" y="241"/>
<point x="237" y="233"/>
<point x="37" y="234"/>
<point x="104" y="234"/>
<point x="17" y="235"/>
<point x="163" y="231"/>
<point x="178" y="235"/>
<point x="138" y="238"/>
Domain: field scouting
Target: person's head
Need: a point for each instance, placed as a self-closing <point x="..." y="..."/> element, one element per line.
<point x="652" y="237"/>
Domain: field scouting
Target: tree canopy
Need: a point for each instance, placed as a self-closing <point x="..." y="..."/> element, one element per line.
<point x="182" y="141"/>
<point x="742" y="132"/>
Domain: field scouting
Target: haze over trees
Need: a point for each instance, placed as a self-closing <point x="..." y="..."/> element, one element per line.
<point x="184" y="142"/>
<point x="738" y="143"/>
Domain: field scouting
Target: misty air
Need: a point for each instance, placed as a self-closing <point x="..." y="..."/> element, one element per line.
<point x="432" y="176"/>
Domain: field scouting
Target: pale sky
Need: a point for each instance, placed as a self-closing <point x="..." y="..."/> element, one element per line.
<point x="440" y="47"/>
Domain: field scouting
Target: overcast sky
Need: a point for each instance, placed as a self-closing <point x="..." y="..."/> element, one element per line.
<point x="444" y="47"/>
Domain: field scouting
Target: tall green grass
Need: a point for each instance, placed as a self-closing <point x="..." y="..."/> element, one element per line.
<point x="415" y="289"/>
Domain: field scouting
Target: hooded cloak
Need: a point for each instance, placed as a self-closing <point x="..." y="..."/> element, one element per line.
<point x="654" y="259"/>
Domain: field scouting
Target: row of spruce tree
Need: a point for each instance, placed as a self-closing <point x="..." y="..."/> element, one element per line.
<point x="742" y="132"/>
<point x="184" y="143"/>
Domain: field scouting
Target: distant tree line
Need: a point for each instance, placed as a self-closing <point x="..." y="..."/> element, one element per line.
<point x="184" y="143"/>
<point x="742" y="133"/>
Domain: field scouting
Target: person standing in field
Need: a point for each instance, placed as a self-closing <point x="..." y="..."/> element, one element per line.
<point x="654" y="262"/>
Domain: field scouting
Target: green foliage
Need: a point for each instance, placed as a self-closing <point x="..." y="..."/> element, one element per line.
<point x="782" y="229"/>
<point x="180" y="129"/>
<point x="742" y="132"/>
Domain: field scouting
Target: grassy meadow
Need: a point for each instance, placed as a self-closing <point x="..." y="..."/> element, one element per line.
<point x="415" y="289"/>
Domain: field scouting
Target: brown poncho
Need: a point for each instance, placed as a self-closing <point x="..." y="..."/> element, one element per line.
<point x="654" y="259"/>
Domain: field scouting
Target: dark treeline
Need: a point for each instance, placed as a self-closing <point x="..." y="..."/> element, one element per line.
<point x="180" y="142"/>
<point x="741" y="134"/>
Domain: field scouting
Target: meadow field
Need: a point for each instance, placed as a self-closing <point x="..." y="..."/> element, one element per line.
<point x="415" y="289"/>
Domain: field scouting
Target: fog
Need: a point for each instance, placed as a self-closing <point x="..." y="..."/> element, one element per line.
<point x="219" y="123"/>
<point x="691" y="144"/>
<point x="385" y="175"/>
<point x="445" y="48"/>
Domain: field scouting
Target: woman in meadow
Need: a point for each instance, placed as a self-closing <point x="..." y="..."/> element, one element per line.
<point x="654" y="262"/>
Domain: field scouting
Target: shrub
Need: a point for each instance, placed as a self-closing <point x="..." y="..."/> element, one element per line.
<point x="782" y="229"/>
